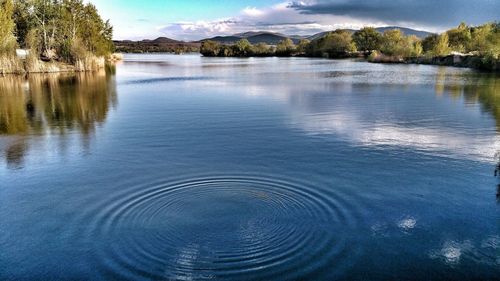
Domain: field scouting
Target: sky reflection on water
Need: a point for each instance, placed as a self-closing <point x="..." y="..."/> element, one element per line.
<point x="182" y="167"/>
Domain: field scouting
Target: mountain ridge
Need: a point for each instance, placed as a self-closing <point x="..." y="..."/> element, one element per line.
<point x="271" y="38"/>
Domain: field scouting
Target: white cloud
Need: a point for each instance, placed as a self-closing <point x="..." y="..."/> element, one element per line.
<point x="277" y="18"/>
<point x="252" y="12"/>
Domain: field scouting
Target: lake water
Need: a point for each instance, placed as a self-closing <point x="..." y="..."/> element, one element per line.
<point x="186" y="168"/>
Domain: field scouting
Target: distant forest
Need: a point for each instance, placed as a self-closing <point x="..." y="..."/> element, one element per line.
<point x="482" y="42"/>
<point x="159" y="45"/>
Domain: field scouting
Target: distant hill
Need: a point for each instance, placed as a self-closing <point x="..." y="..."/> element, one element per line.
<point x="269" y="38"/>
<point x="224" y="39"/>
<point x="253" y="37"/>
<point x="255" y="33"/>
<point x="407" y="31"/>
<point x="165" y="40"/>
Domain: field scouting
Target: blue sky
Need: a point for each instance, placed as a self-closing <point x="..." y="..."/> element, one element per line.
<point x="197" y="19"/>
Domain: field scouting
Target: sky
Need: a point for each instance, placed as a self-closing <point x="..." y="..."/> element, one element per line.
<point x="197" y="19"/>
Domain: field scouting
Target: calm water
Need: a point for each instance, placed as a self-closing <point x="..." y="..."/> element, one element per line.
<point x="182" y="167"/>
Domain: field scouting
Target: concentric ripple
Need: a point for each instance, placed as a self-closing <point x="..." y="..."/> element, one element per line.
<point x="239" y="227"/>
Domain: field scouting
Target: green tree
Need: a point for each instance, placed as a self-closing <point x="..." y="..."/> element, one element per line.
<point x="429" y="43"/>
<point x="394" y="43"/>
<point x="7" y="25"/>
<point x="261" y="49"/>
<point x="418" y="50"/>
<point x="210" y="48"/>
<point x="334" y="44"/>
<point x="24" y="21"/>
<point x="442" y="47"/>
<point x="486" y="39"/>
<point x="367" y="39"/>
<point x="459" y="38"/>
<point x="63" y="29"/>
<point x="96" y="34"/>
<point x="285" y="47"/>
<point x="72" y="17"/>
<point x="45" y="14"/>
<point x="303" y="45"/>
<point x="243" y="48"/>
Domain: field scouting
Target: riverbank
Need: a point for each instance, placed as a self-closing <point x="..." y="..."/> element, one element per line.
<point x="453" y="60"/>
<point x="16" y="65"/>
<point x="463" y="61"/>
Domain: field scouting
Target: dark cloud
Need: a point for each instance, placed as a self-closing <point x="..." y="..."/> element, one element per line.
<point x="428" y="12"/>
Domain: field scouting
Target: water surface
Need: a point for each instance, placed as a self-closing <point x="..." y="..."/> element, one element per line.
<point x="186" y="168"/>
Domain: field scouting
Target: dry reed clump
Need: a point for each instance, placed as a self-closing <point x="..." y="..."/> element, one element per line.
<point x="34" y="65"/>
<point x="89" y="63"/>
<point x="11" y="64"/>
<point x="381" y="58"/>
<point x="115" y="57"/>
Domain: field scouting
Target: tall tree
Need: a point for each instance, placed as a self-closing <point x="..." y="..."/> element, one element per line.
<point x="7" y="25"/>
<point x="442" y="47"/>
<point x="285" y="47"/>
<point x="243" y="47"/>
<point x="459" y="38"/>
<point x="395" y="43"/>
<point x="45" y="14"/>
<point x="367" y="39"/>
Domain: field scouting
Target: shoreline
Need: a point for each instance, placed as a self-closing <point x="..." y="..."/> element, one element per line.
<point x="18" y="66"/>
<point x="93" y="63"/>
<point x="460" y="61"/>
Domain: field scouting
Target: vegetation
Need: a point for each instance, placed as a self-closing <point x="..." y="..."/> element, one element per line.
<point x="155" y="47"/>
<point x="68" y="31"/>
<point x="367" y="39"/>
<point x="480" y="43"/>
<point x="7" y="26"/>
<point x="285" y="48"/>
<point x="242" y="48"/>
<point x="333" y="45"/>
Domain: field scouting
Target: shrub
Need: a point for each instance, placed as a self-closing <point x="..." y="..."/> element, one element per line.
<point x="285" y="48"/>
<point x="367" y="39"/>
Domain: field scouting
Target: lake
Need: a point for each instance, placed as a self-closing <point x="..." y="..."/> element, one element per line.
<point x="186" y="168"/>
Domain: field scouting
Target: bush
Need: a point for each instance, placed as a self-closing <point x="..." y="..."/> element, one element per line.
<point x="394" y="43"/>
<point x="210" y="48"/>
<point x="285" y="48"/>
<point x="334" y="44"/>
<point x="261" y="49"/>
<point x="459" y="38"/>
<point x="367" y="39"/>
<point x="442" y="46"/>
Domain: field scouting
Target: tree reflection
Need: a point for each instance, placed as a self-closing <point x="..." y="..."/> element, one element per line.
<point x="52" y="104"/>
<point x="486" y="90"/>
<point x="482" y="88"/>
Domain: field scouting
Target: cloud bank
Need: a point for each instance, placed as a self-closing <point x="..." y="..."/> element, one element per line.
<point x="440" y="13"/>
<point x="280" y="18"/>
<point x="312" y="16"/>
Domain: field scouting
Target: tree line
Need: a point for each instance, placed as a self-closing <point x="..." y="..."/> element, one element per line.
<point x="393" y="45"/>
<point x="62" y="30"/>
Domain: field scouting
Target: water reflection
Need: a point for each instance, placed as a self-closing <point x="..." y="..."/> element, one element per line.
<point x="55" y="105"/>
<point x="474" y="88"/>
<point x="385" y="113"/>
<point x="296" y="169"/>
